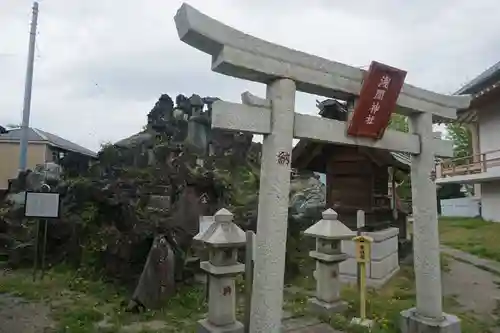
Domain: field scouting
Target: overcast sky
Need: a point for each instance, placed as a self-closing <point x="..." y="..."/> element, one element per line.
<point x="102" y="64"/>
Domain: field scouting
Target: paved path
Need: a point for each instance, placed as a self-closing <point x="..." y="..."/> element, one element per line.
<point x="475" y="289"/>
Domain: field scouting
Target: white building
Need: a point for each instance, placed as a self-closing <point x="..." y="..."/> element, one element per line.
<point x="482" y="168"/>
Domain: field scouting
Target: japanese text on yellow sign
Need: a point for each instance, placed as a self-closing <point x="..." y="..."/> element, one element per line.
<point x="363" y="245"/>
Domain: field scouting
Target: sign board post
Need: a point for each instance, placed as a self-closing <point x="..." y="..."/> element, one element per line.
<point x="363" y="256"/>
<point x="204" y="223"/>
<point x="249" y="265"/>
<point x="42" y="206"/>
<point x="376" y="102"/>
<point x="360" y="224"/>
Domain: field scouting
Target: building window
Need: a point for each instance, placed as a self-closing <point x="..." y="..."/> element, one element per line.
<point x="57" y="156"/>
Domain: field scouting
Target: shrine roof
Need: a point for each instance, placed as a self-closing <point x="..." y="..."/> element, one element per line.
<point x="334" y="109"/>
<point x="482" y="81"/>
<point x="312" y="153"/>
<point x="485" y="89"/>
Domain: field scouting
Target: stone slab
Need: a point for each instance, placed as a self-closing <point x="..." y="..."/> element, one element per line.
<point x="222" y="270"/>
<point x="385" y="243"/>
<point x="379" y="250"/>
<point x="412" y="323"/>
<point x="350" y="267"/>
<point x="204" y="326"/>
<point x="322" y="308"/>
<point x="384" y="258"/>
<point x="381" y="235"/>
<point x="201" y="278"/>
<point x="374" y="270"/>
<point x="330" y="258"/>
<point x="373" y="283"/>
<point x="380" y="269"/>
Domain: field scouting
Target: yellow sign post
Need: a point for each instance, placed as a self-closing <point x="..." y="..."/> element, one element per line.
<point x="363" y="255"/>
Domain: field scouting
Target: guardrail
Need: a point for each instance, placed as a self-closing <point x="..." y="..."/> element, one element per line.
<point x="469" y="165"/>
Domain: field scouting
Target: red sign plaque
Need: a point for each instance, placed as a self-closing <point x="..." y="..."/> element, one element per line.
<point x="377" y="100"/>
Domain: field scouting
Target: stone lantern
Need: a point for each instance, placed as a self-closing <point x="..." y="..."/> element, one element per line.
<point x="222" y="239"/>
<point x="329" y="232"/>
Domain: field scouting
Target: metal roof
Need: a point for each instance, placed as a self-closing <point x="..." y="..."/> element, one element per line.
<point x="482" y="88"/>
<point x="404" y="158"/>
<point x="475" y="85"/>
<point x="36" y="135"/>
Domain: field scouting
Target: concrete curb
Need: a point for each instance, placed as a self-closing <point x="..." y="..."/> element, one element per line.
<point x="484" y="264"/>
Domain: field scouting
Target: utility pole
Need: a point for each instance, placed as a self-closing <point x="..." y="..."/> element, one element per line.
<point x="27" y="90"/>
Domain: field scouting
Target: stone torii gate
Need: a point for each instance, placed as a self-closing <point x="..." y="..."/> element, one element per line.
<point x="286" y="71"/>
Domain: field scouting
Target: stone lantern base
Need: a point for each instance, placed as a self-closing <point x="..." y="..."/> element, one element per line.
<point x="317" y="306"/>
<point x="204" y="326"/>
<point x="411" y="322"/>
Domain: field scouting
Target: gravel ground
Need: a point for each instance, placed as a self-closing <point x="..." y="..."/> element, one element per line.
<point x="20" y="316"/>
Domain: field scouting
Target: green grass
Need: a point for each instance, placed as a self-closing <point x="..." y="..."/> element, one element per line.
<point x="383" y="306"/>
<point x="474" y="236"/>
<point x="78" y="304"/>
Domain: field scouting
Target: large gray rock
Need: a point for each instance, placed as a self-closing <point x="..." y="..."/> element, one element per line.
<point x="157" y="281"/>
<point x="16" y="199"/>
<point x="307" y="195"/>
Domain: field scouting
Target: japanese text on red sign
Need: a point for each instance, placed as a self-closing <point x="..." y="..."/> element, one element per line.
<point x="377" y="100"/>
<point x="382" y="88"/>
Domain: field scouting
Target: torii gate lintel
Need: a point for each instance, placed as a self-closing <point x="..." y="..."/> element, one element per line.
<point x="240" y="55"/>
<point x="254" y="116"/>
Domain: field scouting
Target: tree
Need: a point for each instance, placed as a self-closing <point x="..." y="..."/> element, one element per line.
<point x="462" y="139"/>
<point x="450" y="191"/>
<point x="399" y="122"/>
<point x="462" y="147"/>
<point x="458" y="133"/>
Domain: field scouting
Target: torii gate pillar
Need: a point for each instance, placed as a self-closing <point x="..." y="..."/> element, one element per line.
<point x="428" y="315"/>
<point x="272" y="221"/>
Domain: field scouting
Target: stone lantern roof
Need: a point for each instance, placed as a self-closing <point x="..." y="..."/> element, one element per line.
<point x="223" y="232"/>
<point x="330" y="228"/>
